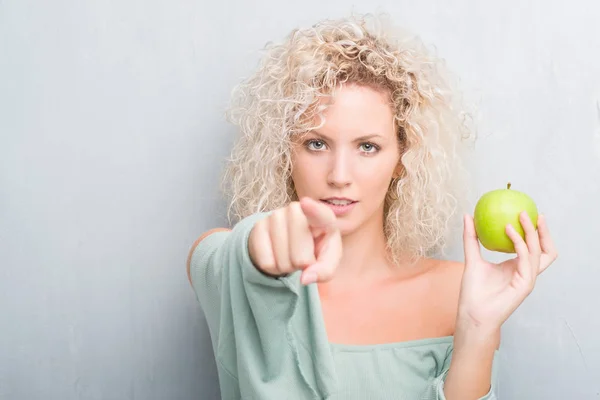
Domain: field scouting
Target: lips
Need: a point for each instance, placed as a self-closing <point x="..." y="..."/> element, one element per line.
<point x="339" y="205"/>
<point x="339" y="202"/>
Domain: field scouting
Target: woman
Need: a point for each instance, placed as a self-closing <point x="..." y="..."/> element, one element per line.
<point x="345" y="183"/>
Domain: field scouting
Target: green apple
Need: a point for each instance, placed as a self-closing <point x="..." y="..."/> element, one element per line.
<point x="497" y="208"/>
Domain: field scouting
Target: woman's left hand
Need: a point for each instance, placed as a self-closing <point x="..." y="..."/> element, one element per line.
<point x="490" y="292"/>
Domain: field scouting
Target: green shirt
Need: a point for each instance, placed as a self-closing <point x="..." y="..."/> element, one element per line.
<point x="270" y="342"/>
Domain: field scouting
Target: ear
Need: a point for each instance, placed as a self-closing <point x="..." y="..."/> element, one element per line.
<point x="398" y="171"/>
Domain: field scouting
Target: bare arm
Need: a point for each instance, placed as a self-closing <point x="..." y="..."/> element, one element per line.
<point x="470" y="373"/>
<point x="490" y="293"/>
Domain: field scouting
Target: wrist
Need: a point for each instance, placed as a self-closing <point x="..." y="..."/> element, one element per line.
<point x="470" y="372"/>
<point x="473" y="334"/>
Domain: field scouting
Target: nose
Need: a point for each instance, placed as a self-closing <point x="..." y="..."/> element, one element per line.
<point x="340" y="172"/>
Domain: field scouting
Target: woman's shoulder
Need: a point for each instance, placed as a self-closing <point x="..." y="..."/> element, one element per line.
<point x="447" y="276"/>
<point x="195" y="245"/>
<point x="449" y="269"/>
<point x="240" y="230"/>
<point x="447" y="273"/>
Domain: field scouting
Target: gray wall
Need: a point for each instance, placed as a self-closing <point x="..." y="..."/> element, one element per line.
<point x="111" y="141"/>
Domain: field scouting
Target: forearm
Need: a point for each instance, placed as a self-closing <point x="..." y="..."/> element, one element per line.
<point x="470" y="373"/>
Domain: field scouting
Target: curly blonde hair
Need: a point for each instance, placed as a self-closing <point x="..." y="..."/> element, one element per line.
<point x="282" y="97"/>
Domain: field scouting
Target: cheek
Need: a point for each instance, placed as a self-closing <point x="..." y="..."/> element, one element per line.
<point x="302" y="174"/>
<point x="375" y="181"/>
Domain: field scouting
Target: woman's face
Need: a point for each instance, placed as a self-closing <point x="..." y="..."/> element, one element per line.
<point x="349" y="162"/>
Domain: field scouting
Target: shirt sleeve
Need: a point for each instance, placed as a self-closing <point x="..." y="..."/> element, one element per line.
<point x="251" y="316"/>
<point x="437" y="392"/>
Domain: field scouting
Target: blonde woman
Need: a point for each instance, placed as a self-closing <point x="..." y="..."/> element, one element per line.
<point x="345" y="181"/>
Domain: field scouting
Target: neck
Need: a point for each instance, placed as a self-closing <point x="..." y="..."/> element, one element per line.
<point x="364" y="252"/>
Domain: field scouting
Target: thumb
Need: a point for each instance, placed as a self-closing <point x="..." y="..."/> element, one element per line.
<point x="329" y="254"/>
<point x="328" y="241"/>
<point x="470" y="241"/>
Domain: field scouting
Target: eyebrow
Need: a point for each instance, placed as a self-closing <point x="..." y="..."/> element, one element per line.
<point x="358" y="139"/>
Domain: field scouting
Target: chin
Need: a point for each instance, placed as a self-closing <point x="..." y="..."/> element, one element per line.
<point x="347" y="227"/>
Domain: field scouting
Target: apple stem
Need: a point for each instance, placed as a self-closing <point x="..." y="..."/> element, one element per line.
<point x="508" y="186"/>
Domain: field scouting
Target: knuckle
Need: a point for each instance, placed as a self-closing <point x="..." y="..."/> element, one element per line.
<point x="300" y="262"/>
<point x="259" y="233"/>
<point x="278" y="215"/>
<point x="268" y="266"/>
<point x="294" y="207"/>
<point x="284" y="268"/>
<point x="296" y="215"/>
<point x="276" y="221"/>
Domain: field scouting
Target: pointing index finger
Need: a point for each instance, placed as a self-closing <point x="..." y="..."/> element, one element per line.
<point x="318" y="215"/>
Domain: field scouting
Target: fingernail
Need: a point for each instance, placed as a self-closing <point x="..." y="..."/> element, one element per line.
<point x="309" y="277"/>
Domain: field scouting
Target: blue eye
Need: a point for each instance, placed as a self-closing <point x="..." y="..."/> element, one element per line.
<point x="315" y="145"/>
<point x="369" y="148"/>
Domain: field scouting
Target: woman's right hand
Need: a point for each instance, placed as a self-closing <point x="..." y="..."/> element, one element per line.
<point x="300" y="236"/>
